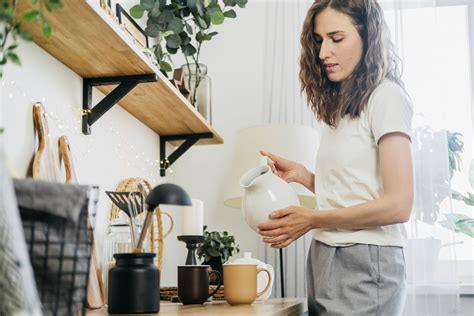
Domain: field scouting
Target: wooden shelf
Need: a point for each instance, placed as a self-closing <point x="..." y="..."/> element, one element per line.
<point x="90" y="43"/>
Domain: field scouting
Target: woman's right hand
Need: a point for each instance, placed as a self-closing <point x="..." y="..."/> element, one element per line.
<point x="288" y="170"/>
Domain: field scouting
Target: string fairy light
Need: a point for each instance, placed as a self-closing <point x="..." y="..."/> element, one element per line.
<point x="70" y="123"/>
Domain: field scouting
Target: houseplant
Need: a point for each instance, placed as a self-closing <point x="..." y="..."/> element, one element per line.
<point x="461" y="223"/>
<point x="436" y="156"/>
<point x="12" y="26"/>
<point x="468" y="199"/>
<point x="455" y="148"/>
<point x="458" y="222"/>
<point x="216" y="248"/>
<point x="183" y="25"/>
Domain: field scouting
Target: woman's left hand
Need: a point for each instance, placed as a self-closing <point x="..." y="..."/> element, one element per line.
<point x="287" y="225"/>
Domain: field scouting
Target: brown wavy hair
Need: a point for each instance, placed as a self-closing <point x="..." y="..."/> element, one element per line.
<point x="331" y="101"/>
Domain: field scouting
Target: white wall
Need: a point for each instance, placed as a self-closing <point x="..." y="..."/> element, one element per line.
<point x="120" y="146"/>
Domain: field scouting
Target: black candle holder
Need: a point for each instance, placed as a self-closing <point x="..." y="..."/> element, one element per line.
<point x="191" y="244"/>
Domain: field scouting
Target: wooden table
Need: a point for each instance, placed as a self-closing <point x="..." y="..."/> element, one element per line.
<point x="274" y="306"/>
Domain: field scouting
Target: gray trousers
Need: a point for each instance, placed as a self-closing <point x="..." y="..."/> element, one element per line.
<point x="356" y="280"/>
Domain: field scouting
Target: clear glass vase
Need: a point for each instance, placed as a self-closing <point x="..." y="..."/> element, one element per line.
<point x="199" y="84"/>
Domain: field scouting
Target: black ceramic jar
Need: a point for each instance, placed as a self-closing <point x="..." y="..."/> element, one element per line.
<point x="134" y="284"/>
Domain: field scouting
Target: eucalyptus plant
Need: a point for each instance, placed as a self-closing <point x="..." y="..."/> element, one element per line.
<point x="12" y="26"/>
<point x="217" y="245"/>
<point x="183" y="25"/>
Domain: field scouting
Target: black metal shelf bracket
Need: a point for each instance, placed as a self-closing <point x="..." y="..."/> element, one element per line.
<point x="189" y="140"/>
<point x="90" y="114"/>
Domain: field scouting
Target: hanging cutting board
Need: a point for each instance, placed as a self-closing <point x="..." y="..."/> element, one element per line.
<point x="95" y="288"/>
<point x="44" y="166"/>
<point x="65" y="160"/>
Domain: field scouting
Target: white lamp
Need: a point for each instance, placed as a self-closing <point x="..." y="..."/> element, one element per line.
<point x="294" y="142"/>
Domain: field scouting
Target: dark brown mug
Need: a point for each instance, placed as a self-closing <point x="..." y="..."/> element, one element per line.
<point x="193" y="283"/>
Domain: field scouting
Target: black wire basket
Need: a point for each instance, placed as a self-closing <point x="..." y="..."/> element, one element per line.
<point x="60" y="252"/>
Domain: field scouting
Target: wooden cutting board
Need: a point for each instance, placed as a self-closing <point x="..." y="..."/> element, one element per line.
<point x="95" y="287"/>
<point x="65" y="160"/>
<point x="44" y="166"/>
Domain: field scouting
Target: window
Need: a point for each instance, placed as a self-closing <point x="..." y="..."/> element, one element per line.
<point x="437" y="47"/>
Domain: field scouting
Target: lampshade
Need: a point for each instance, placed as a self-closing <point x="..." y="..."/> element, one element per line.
<point x="295" y="142"/>
<point x="167" y="193"/>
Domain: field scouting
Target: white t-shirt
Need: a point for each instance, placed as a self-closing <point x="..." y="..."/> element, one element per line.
<point x="347" y="164"/>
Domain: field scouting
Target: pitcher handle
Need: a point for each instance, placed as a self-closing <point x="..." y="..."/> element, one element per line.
<point x="269" y="281"/>
<point x="264" y="161"/>
<point x="219" y="282"/>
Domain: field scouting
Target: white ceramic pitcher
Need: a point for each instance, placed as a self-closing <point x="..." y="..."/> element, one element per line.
<point x="264" y="192"/>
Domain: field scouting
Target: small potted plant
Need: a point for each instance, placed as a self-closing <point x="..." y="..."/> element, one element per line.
<point x="11" y="29"/>
<point x="216" y="248"/>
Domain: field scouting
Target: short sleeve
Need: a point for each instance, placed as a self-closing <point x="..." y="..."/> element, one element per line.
<point x="389" y="110"/>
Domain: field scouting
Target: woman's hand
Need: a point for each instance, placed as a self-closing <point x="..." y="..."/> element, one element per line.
<point x="288" y="170"/>
<point x="287" y="225"/>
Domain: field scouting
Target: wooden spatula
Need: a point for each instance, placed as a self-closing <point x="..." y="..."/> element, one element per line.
<point x="95" y="287"/>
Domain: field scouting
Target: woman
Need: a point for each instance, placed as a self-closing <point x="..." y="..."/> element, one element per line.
<point x="364" y="176"/>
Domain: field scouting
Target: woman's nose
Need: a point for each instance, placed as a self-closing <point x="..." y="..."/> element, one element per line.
<point x="324" y="51"/>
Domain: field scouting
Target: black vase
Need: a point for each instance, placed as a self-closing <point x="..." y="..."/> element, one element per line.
<point x="134" y="284"/>
<point x="216" y="264"/>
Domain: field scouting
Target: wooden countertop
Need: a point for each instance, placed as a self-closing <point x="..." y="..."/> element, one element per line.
<point x="274" y="306"/>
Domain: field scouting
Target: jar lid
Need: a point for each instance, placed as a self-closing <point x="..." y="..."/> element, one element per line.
<point x="134" y="255"/>
<point x="120" y="220"/>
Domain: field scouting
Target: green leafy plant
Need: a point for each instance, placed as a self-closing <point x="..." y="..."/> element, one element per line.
<point x="431" y="177"/>
<point x="183" y="25"/>
<point x="13" y="29"/>
<point x="461" y="223"/>
<point x="455" y="149"/>
<point x="433" y="180"/>
<point x="468" y="198"/>
<point x="458" y="222"/>
<point x="217" y="245"/>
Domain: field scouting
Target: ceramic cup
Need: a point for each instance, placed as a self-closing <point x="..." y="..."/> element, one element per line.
<point x="193" y="283"/>
<point x="241" y="283"/>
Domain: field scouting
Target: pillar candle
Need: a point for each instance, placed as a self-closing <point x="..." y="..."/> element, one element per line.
<point x="193" y="219"/>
